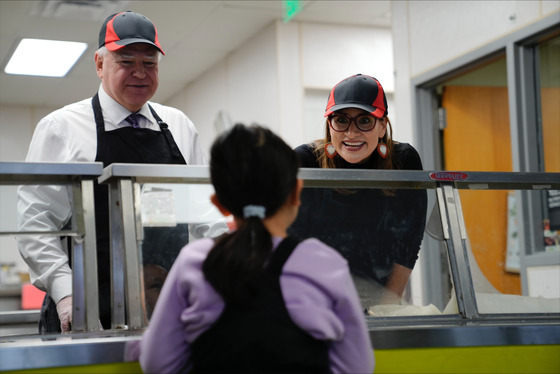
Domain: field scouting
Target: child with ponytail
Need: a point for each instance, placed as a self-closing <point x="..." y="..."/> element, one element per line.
<point x="257" y="300"/>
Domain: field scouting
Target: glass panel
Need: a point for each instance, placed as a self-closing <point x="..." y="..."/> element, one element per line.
<point x="13" y="271"/>
<point x="477" y="138"/>
<point x="9" y="201"/>
<point x="173" y="215"/>
<point x="379" y="232"/>
<point x="486" y="218"/>
<point x="551" y="222"/>
<point x="492" y="233"/>
<point x="477" y="132"/>
<point x="549" y="72"/>
<point x="17" y="294"/>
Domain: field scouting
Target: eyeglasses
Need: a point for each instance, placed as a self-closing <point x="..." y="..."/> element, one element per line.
<point x="340" y="122"/>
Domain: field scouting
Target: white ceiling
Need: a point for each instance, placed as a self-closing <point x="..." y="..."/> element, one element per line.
<point x="194" y="36"/>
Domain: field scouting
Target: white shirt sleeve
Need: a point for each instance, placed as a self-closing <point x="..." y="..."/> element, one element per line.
<point x="46" y="208"/>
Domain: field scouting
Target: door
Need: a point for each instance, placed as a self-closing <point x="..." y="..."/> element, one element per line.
<point x="477" y="138"/>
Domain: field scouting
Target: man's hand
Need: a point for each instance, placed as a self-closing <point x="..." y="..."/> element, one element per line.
<point x="64" y="310"/>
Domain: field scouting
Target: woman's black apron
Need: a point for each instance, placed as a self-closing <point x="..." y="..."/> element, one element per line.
<point x="124" y="145"/>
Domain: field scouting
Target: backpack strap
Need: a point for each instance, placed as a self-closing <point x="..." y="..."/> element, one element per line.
<point x="281" y="255"/>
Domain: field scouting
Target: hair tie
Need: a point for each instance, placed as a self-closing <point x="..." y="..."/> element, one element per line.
<point x="254" y="211"/>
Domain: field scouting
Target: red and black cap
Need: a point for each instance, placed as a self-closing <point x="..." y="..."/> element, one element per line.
<point x="122" y="29"/>
<point x="358" y="91"/>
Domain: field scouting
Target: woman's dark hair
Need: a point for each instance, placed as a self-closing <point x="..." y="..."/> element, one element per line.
<point x="249" y="165"/>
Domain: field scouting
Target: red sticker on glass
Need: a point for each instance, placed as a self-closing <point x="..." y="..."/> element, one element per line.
<point x="448" y="176"/>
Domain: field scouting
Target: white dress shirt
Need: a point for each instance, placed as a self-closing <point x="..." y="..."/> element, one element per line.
<point x="69" y="135"/>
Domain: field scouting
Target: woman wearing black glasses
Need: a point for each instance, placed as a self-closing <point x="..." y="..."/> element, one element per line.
<point x="378" y="231"/>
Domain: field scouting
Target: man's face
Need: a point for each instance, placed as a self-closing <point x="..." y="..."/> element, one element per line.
<point x="154" y="277"/>
<point x="130" y="74"/>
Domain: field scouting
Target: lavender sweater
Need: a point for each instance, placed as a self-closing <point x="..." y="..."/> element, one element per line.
<point x="317" y="289"/>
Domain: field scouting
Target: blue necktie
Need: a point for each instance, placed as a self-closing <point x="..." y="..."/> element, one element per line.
<point x="133" y="119"/>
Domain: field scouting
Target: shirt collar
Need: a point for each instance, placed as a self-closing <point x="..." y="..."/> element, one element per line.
<point x="116" y="112"/>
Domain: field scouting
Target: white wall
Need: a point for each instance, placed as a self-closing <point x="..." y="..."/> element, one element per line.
<point x="438" y="38"/>
<point x="427" y="34"/>
<point x="16" y="128"/>
<point x="331" y="53"/>
<point x="244" y="85"/>
<point x="278" y="77"/>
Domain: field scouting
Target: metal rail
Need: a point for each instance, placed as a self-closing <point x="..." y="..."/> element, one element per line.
<point x="468" y="328"/>
<point x="80" y="177"/>
<point x="123" y="177"/>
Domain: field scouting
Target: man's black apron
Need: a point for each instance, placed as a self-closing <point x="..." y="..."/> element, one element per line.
<point x="124" y="145"/>
<point x="259" y="336"/>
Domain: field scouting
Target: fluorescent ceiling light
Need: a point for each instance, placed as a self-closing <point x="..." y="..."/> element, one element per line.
<point x="49" y="58"/>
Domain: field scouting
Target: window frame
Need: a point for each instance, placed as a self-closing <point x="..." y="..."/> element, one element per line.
<point x="521" y="52"/>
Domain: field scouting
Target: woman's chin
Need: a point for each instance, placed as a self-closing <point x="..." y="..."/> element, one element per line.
<point x="354" y="157"/>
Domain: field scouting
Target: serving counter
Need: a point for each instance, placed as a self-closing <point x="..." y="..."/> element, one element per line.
<point x="451" y="319"/>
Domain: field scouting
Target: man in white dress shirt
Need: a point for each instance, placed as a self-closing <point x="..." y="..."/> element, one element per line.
<point x="116" y="125"/>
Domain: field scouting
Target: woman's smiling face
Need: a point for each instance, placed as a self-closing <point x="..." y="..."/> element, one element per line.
<point x="353" y="145"/>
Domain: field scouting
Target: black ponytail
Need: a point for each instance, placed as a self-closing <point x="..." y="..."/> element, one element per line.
<point x="248" y="166"/>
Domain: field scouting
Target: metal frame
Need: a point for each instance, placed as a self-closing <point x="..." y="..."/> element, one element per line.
<point x="80" y="176"/>
<point x="126" y="231"/>
<point x="518" y="47"/>
<point x="468" y="328"/>
<point x="123" y="177"/>
<point x="40" y="354"/>
<point x="125" y="223"/>
<point x="126" y="272"/>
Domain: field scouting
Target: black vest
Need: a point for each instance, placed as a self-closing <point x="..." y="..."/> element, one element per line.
<point x="260" y="336"/>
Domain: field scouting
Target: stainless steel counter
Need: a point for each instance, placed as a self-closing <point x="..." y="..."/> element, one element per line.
<point x="467" y="327"/>
<point x="35" y="352"/>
